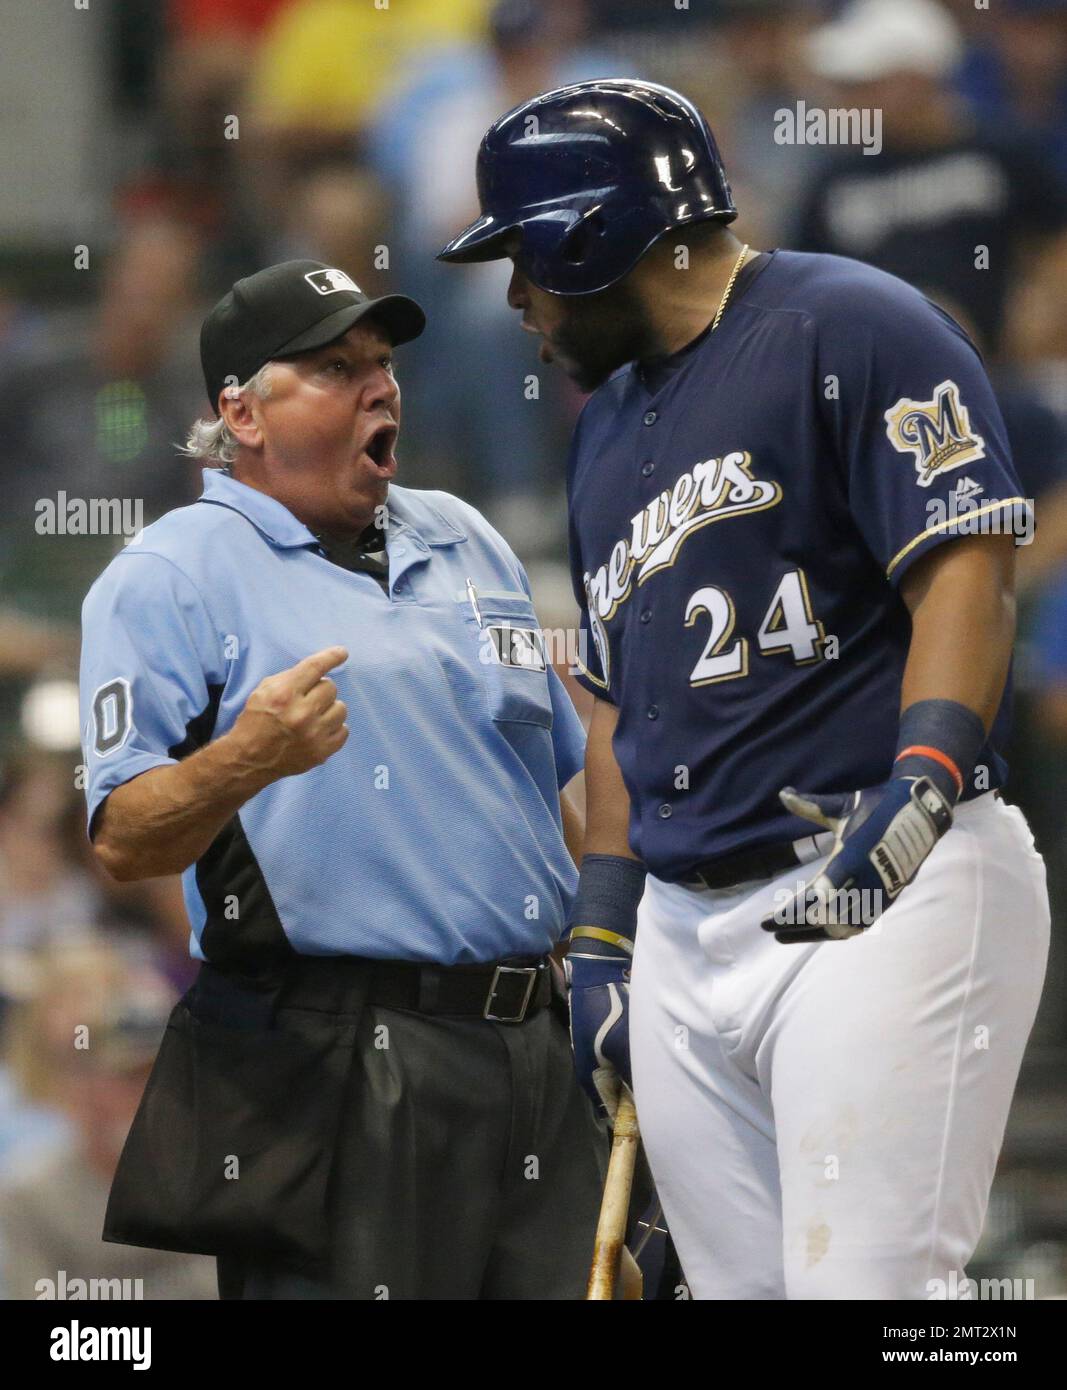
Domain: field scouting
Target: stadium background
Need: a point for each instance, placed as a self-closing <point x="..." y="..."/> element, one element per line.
<point x="151" y="151"/>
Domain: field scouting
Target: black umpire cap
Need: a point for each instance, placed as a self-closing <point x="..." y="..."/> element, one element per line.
<point x="289" y="308"/>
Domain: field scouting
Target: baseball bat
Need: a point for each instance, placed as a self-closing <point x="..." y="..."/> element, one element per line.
<point x="615" y="1205"/>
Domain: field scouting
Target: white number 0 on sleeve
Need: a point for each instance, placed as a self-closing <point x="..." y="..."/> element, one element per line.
<point x="112" y="716"/>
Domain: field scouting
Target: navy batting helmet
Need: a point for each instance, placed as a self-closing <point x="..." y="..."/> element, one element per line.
<point x="591" y="175"/>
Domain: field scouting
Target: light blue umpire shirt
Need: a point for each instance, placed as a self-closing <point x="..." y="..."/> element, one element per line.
<point x="434" y="834"/>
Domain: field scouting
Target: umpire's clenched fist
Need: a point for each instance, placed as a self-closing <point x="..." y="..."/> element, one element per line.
<point x="293" y="721"/>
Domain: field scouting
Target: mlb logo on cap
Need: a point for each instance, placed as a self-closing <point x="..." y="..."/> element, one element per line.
<point x="270" y="315"/>
<point x="330" y="281"/>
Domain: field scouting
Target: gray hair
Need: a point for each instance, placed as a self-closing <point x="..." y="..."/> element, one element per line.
<point x="211" y="440"/>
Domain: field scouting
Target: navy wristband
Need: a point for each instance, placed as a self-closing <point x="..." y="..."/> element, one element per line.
<point x="609" y="888"/>
<point x="939" y="739"/>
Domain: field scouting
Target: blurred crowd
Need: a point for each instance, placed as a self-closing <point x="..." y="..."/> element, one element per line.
<point x="227" y="134"/>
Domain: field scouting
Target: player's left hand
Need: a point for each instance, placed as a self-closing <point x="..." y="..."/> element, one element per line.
<point x="882" y="837"/>
<point x="599" y="978"/>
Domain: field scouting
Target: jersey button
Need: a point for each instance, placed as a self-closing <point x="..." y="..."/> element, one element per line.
<point x="665" y="812"/>
<point x="650" y="417"/>
<point x="653" y="711"/>
<point x="648" y="468"/>
<point x="646" y="615"/>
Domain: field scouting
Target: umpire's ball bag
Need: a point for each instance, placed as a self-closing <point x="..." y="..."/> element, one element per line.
<point x="231" y="1148"/>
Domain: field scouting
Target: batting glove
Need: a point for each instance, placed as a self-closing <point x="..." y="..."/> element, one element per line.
<point x="599" y="977"/>
<point x="882" y="837"/>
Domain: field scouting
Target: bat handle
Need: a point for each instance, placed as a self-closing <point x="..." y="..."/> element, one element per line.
<point x="611" y="1227"/>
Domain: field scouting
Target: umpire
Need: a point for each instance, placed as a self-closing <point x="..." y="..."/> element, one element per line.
<point x="324" y="700"/>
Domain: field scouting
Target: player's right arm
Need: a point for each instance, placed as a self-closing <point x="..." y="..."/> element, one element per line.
<point x="607" y="814"/>
<point x="603" y="921"/>
<point x="602" y="925"/>
<point x="165" y="819"/>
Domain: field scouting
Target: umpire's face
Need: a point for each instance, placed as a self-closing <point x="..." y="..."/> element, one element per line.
<point x="322" y="440"/>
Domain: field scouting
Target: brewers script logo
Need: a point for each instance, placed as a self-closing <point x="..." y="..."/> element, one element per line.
<point x="711" y="491"/>
<point x="937" y="432"/>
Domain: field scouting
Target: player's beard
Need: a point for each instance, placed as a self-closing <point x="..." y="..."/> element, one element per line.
<point x="600" y="333"/>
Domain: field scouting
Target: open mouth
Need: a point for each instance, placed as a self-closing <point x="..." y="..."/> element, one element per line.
<point x="544" y="347"/>
<point x="379" y="447"/>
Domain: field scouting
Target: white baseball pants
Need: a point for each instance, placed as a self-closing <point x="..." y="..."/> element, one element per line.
<point x="823" y="1121"/>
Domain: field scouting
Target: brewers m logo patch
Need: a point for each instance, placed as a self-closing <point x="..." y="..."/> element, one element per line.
<point x="330" y="281"/>
<point x="937" y="433"/>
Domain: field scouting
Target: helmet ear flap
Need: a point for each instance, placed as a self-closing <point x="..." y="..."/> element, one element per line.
<point x="580" y="242"/>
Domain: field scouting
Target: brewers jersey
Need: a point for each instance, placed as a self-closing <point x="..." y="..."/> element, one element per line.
<point x="741" y="517"/>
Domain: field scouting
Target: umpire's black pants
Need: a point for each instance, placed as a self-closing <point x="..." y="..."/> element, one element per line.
<point x="468" y="1165"/>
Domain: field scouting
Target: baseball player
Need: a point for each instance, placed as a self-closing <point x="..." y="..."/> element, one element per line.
<point x="323" y="699"/>
<point x="791" y="514"/>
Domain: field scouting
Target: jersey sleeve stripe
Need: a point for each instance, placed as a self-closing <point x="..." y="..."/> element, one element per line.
<point x="583" y="670"/>
<point x="962" y="518"/>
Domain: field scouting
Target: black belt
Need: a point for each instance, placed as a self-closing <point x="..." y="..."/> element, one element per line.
<point x="505" y="991"/>
<point x="765" y="861"/>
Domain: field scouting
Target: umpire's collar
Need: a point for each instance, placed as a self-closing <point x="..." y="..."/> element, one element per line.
<point x="408" y="510"/>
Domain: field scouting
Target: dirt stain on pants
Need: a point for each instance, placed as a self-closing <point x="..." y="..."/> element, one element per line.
<point x="818" y="1243"/>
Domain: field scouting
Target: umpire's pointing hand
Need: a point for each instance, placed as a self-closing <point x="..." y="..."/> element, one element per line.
<point x="294" y="721"/>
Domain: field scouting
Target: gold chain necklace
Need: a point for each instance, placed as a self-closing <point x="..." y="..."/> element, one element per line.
<point x="729" y="286"/>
